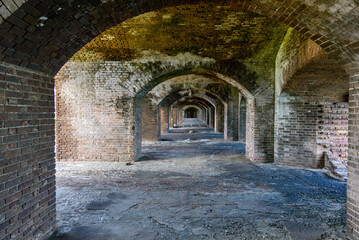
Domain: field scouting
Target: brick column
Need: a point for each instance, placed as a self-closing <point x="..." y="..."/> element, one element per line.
<point x="164" y="118"/>
<point x="232" y="117"/>
<point x="27" y="163"/>
<point x="220" y="118"/>
<point x="353" y="161"/>
<point x="95" y="122"/>
<point x="149" y="120"/>
<point x="242" y="120"/>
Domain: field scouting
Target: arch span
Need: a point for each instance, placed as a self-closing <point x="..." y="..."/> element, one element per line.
<point x="50" y="24"/>
<point x="216" y="101"/>
<point x="251" y="146"/>
<point x="43" y="35"/>
<point x="211" y="105"/>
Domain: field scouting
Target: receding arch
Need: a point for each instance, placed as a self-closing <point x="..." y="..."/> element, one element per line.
<point x="164" y="110"/>
<point x="190" y="112"/>
<point x="250" y="100"/>
<point x="179" y="94"/>
<point x="209" y="96"/>
<point x="46" y="46"/>
<point x="184" y="104"/>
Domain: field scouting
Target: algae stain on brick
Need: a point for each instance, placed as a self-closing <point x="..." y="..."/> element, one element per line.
<point x="218" y="32"/>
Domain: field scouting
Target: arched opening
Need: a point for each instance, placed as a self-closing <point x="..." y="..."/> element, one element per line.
<point x="318" y="113"/>
<point x="215" y="84"/>
<point x="191" y="112"/>
<point x="39" y="37"/>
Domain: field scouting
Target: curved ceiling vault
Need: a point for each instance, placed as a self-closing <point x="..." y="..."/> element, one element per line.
<point x="172" y="97"/>
<point x="218" y="32"/>
<point x="193" y="83"/>
<point x="55" y="30"/>
<point x="192" y="100"/>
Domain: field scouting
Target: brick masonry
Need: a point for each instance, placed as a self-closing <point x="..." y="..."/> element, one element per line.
<point x="27" y="160"/>
<point x="242" y="120"/>
<point x="186" y="87"/>
<point x="306" y="130"/>
<point x="35" y="20"/>
<point x="43" y="35"/>
<point x="94" y="118"/>
<point x="332" y="137"/>
<point x="149" y="120"/>
<point x="96" y="114"/>
<point x="296" y="133"/>
<point x="353" y="166"/>
<point x="307" y="82"/>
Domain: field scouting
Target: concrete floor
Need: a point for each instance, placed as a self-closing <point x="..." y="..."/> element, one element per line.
<point x="202" y="189"/>
<point x="191" y="123"/>
<point x="190" y="128"/>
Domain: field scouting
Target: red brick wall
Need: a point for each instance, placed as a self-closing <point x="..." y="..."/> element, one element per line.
<point x="149" y="120"/>
<point x="296" y="133"/>
<point x="295" y="52"/>
<point x="27" y="165"/>
<point x="164" y="116"/>
<point x="333" y="134"/>
<point x="306" y="129"/>
<point x="353" y="159"/>
<point x="336" y="36"/>
<point x="94" y="120"/>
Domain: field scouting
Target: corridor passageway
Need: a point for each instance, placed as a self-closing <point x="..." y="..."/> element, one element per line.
<point x="191" y="123"/>
<point x="95" y="136"/>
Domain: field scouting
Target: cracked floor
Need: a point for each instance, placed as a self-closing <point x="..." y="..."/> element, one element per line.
<point x="196" y="189"/>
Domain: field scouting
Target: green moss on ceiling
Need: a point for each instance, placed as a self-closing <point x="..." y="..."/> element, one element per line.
<point x="218" y="32"/>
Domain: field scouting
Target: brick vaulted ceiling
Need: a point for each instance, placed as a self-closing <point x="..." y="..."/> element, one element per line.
<point x="43" y="35"/>
<point x="218" y="32"/>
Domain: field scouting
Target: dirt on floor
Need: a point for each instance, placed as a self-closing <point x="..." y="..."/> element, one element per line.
<point x="204" y="189"/>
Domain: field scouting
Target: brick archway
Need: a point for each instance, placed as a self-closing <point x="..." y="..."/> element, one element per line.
<point x="42" y="36"/>
<point x="214" y="99"/>
<point x="55" y="31"/>
<point x="252" y="147"/>
<point x="206" y="101"/>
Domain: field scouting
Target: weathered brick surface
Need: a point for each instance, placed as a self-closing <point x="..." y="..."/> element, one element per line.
<point x="306" y="80"/>
<point x="296" y="52"/>
<point x="353" y="159"/>
<point x="41" y="21"/>
<point x="27" y="165"/>
<point x="242" y="120"/>
<point x="87" y="112"/>
<point x="332" y="137"/>
<point x="149" y="120"/>
<point x="220" y="118"/>
<point x="200" y="105"/>
<point x="306" y="130"/>
<point x="94" y="120"/>
<point x="164" y="118"/>
<point x="189" y="86"/>
<point x="296" y="133"/>
<point x="45" y="34"/>
<point x="210" y="100"/>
